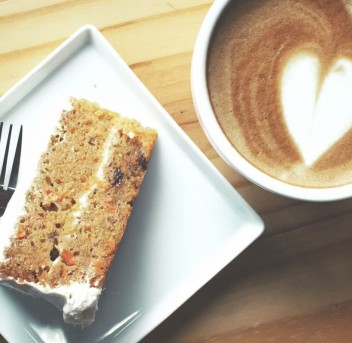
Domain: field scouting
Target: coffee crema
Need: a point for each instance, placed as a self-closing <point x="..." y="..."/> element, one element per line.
<point x="280" y="81"/>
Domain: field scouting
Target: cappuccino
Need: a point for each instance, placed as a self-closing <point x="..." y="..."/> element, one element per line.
<point x="280" y="82"/>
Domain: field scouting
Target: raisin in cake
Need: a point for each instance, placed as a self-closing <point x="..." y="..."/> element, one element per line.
<point x="76" y="209"/>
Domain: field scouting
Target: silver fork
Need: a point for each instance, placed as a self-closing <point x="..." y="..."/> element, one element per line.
<point x="8" y="185"/>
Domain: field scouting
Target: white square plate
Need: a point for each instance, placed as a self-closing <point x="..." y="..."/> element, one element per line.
<point x="187" y="224"/>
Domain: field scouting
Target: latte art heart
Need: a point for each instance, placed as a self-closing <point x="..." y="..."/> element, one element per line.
<point x="317" y="108"/>
<point x="280" y="83"/>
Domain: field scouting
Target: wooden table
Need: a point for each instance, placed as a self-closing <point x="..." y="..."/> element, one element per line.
<point x="295" y="282"/>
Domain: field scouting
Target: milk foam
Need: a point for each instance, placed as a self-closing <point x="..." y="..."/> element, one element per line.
<point x="279" y="76"/>
<point x="317" y="106"/>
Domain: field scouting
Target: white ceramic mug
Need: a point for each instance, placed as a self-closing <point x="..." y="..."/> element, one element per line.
<point x="218" y="139"/>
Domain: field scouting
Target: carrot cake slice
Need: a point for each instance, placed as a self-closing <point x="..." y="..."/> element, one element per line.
<point x="76" y="209"/>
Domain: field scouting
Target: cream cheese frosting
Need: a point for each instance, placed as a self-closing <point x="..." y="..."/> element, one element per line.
<point x="78" y="302"/>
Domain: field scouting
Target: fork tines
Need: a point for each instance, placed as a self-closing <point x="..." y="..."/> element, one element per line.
<point x="10" y="154"/>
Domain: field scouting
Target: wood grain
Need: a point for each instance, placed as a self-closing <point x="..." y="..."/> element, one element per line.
<point x="295" y="282"/>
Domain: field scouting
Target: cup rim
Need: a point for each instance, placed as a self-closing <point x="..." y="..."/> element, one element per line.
<point x="218" y="139"/>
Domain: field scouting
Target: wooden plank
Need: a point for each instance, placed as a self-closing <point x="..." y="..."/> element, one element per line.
<point x="41" y="24"/>
<point x="167" y="35"/>
<point x="329" y="324"/>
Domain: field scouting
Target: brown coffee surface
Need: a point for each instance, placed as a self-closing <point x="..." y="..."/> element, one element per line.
<point x="252" y="42"/>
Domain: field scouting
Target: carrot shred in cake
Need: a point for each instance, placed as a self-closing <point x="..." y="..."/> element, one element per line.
<point x="78" y="205"/>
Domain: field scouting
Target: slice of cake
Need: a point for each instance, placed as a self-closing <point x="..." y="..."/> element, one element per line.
<point x="76" y="209"/>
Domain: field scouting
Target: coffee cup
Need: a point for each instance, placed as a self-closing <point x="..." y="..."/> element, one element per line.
<point x="272" y="88"/>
